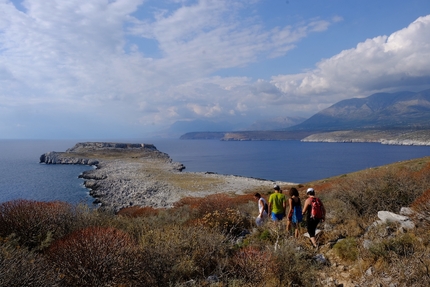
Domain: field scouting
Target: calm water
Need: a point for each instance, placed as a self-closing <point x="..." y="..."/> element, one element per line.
<point x="291" y="161"/>
<point x="22" y="176"/>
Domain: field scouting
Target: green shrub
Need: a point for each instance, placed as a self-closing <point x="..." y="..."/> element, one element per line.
<point x="265" y="235"/>
<point x="402" y="245"/>
<point x="361" y="196"/>
<point x="347" y="249"/>
<point x="175" y="254"/>
<point x="292" y="266"/>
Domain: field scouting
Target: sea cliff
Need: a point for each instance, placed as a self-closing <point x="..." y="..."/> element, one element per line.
<point x="139" y="174"/>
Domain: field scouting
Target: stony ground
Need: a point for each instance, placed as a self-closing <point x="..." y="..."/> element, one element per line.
<point x="141" y="175"/>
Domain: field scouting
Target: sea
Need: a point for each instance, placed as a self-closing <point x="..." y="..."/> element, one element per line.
<point x="23" y="177"/>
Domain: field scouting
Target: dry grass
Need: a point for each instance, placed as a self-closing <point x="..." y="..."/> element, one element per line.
<point x="189" y="181"/>
<point x="123" y="154"/>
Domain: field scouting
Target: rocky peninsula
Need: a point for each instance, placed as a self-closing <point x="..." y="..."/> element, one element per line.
<point x="130" y="174"/>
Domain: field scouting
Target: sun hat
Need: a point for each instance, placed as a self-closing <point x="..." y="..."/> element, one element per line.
<point x="310" y="190"/>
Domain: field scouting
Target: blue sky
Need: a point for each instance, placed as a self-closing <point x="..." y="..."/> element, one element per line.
<point x="131" y="68"/>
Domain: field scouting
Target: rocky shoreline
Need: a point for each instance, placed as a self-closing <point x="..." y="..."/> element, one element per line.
<point x="140" y="175"/>
<point x="388" y="137"/>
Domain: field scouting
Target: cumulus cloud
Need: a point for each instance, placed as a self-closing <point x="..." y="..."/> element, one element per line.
<point x="398" y="61"/>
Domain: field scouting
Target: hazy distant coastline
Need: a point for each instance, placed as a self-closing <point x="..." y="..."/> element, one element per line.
<point x="390" y="137"/>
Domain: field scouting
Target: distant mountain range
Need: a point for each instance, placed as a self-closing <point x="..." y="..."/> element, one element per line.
<point x="402" y="110"/>
<point x="279" y="123"/>
<point x="398" y="118"/>
<point x="212" y="129"/>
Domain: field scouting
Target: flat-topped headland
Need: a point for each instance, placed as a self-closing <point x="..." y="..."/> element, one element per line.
<point x="130" y="174"/>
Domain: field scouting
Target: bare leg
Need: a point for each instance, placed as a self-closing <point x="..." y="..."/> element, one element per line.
<point x="314" y="242"/>
<point x="297" y="230"/>
<point x="288" y="226"/>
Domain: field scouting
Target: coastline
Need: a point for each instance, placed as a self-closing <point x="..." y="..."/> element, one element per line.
<point x="387" y="137"/>
<point x="140" y="175"/>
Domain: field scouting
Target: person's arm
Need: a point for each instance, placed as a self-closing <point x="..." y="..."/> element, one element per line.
<point x="270" y="206"/>
<point x="260" y="208"/>
<point x="284" y="205"/>
<point x="290" y="205"/>
<point x="323" y="210"/>
<point x="305" y="208"/>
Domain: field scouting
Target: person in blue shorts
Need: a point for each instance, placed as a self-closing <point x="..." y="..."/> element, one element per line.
<point x="277" y="204"/>
<point x="295" y="212"/>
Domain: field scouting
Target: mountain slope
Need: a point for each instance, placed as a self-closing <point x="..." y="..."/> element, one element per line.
<point x="278" y="123"/>
<point x="378" y="111"/>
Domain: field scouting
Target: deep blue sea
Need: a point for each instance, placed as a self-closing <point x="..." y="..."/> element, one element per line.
<point x="22" y="176"/>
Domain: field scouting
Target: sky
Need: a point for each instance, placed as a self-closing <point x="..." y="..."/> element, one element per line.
<point x="132" y="68"/>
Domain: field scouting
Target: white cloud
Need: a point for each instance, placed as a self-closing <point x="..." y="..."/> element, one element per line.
<point x="142" y="66"/>
<point x="400" y="60"/>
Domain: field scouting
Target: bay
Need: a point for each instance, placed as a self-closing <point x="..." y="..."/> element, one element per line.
<point x="291" y="161"/>
<point x="22" y="176"/>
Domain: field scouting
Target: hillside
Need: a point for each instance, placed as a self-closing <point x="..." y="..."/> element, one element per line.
<point x="213" y="240"/>
<point x="402" y="110"/>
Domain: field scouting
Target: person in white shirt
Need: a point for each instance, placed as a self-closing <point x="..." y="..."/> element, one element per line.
<point x="262" y="209"/>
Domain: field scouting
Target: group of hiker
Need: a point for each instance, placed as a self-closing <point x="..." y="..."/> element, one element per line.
<point x="278" y="207"/>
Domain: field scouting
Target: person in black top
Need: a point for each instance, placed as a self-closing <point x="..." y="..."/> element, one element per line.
<point x="314" y="215"/>
<point x="295" y="212"/>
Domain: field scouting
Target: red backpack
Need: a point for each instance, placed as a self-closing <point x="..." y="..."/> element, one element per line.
<point x="316" y="211"/>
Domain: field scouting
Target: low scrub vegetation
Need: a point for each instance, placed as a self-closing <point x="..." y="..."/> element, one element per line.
<point x="213" y="241"/>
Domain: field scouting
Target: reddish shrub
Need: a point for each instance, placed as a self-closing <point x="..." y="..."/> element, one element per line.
<point x="251" y="265"/>
<point x="229" y="221"/>
<point x="422" y="206"/>
<point x="324" y="187"/>
<point x="35" y="222"/>
<point x="94" y="256"/>
<point x="214" y="202"/>
<point x="137" y="211"/>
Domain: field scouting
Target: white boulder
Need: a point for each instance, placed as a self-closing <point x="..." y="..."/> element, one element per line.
<point x="404" y="221"/>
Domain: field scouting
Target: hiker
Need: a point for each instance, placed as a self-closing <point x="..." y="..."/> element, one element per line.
<point x="277" y="204"/>
<point x="315" y="211"/>
<point x="263" y="209"/>
<point x="295" y="212"/>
